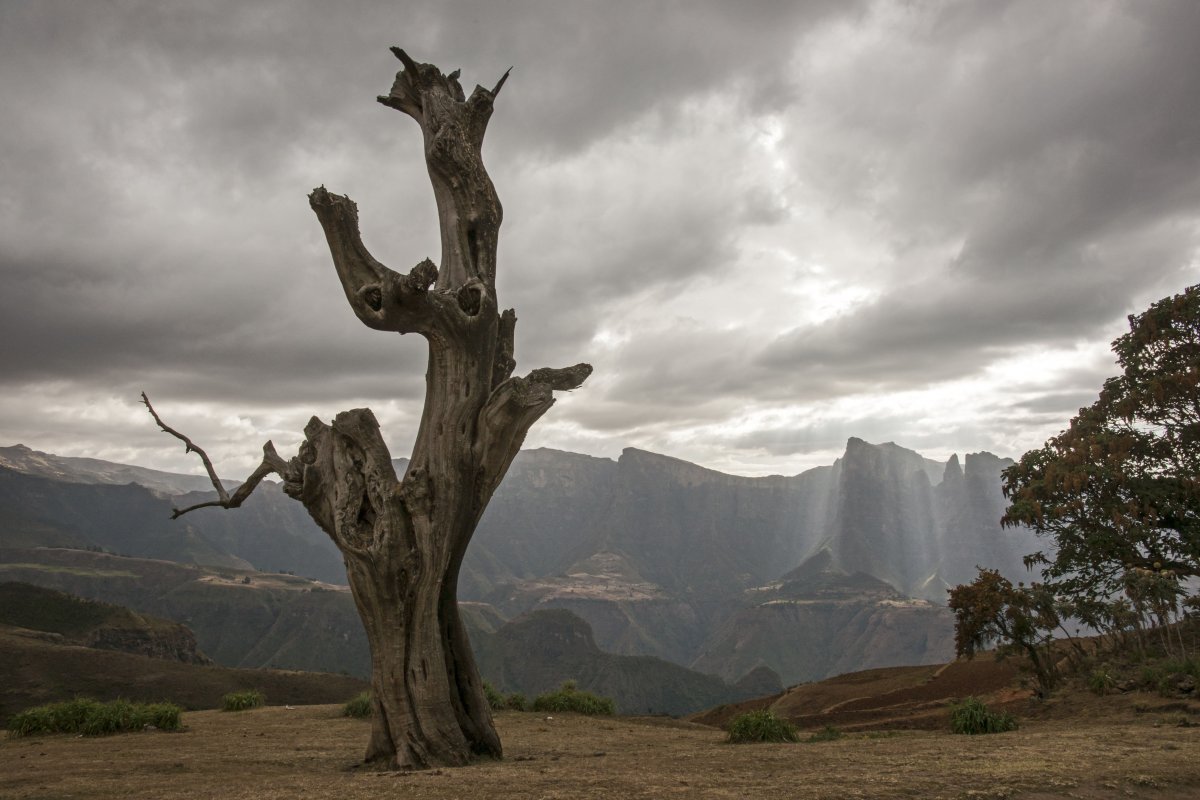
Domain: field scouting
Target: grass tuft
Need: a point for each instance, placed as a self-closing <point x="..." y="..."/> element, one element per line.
<point x="569" y="698"/>
<point x="359" y="707"/>
<point x="761" y="726"/>
<point x="243" y="701"/>
<point x="972" y="717"/>
<point x="513" y="701"/>
<point x="91" y="718"/>
<point x="1100" y="681"/>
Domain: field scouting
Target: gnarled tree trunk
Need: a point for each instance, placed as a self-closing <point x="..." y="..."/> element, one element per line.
<point x="404" y="538"/>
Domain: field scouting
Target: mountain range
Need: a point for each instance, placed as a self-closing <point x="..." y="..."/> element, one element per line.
<point x="838" y="568"/>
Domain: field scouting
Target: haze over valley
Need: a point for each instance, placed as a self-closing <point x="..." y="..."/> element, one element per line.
<point x="786" y="579"/>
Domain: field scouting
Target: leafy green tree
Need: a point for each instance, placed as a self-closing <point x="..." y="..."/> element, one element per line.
<point x="1020" y="619"/>
<point x="1119" y="490"/>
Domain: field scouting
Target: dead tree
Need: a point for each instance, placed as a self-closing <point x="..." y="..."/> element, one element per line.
<point x="404" y="539"/>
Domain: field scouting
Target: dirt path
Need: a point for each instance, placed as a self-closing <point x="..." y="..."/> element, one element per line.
<point x="310" y="752"/>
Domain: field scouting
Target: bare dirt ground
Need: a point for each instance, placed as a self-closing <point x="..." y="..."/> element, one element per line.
<point x="311" y="752"/>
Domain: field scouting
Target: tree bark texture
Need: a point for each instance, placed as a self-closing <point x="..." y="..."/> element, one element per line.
<point x="404" y="538"/>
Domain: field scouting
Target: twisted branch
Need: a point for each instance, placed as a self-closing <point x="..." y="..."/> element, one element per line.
<point x="272" y="462"/>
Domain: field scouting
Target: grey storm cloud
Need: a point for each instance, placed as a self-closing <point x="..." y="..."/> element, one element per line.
<point x="965" y="180"/>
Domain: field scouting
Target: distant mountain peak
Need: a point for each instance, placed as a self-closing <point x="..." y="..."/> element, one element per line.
<point x="71" y="469"/>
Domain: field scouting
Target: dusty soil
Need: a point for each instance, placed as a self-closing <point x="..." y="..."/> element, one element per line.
<point x="311" y="752"/>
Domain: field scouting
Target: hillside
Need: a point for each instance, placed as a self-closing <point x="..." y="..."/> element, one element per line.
<point x="661" y="557"/>
<point x="257" y="620"/>
<point x="72" y="620"/>
<point x="25" y="460"/>
<point x="536" y="652"/>
<point x="36" y="670"/>
<point x="240" y="618"/>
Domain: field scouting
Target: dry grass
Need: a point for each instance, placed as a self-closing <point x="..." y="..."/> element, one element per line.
<point x="312" y="751"/>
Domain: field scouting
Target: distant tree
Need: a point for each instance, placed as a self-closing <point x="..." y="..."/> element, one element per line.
<point x="1119" y="490"/>
<point x="403" y="539"/>
<point x="1019" y="619"/>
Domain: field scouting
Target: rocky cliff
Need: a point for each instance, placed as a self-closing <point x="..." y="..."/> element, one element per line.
<point x="73" y="620"/>
<point x="661" y="557"/>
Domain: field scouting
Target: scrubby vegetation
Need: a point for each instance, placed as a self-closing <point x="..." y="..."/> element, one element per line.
<point x="1101" y="681"/>
<point x="761" y="726"/>
<point x="359" y="707"/>
<point x="242" y="701"/>
<point x="1115" y="494"/>
<point x="513" y="701"/>
<point x="92" y="718"/>
<point x="1128" y="670"/>
<point x="569" y="698"/>
<point x="972" y="717"/>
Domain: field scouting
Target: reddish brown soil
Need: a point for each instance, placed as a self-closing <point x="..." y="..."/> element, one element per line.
<point x="882" y="699"/>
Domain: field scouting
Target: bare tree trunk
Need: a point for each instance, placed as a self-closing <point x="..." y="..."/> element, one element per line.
<point x="404" y="539"/>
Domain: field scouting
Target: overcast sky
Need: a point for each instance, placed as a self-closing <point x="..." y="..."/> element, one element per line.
<point x="768" y="225"/>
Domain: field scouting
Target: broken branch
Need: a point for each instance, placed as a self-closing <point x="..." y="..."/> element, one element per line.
<point x="272" y="462"/>
<point x="189" y="447"/>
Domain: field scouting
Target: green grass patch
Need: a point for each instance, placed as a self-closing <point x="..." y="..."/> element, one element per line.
<point x="1100" y="681"/>
<point x="761" y="726"/>
<point x="243" y="701"/>
<point x="972" y="717"/>
<point x="569" y="698"/>
<point x="514" y="701"/>
<point x="359" y="707"/>
<point x="92" y="718"/>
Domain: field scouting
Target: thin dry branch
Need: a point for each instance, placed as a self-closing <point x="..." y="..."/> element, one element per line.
<point x="500" y="83"/>
<point x="189" y="447"/>
<point x="272" y="462"/>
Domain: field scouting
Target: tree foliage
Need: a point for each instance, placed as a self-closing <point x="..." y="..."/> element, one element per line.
<point x="1119" y="490"/>
<point x="990" y="610"/>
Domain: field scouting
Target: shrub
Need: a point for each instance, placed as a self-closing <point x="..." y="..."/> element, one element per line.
<point x="1101" y="681"/>
<point x="91" y="718"/>
<point x="761" y="726"/>
<point x="71" y="716"/>
<point x="164" y="716"/>
<point x="568" y="698"/>
<point x="31" y="721"/>
<point x="242" y="701"/>
<point x="515" y="701"/>
<point x="494" y="698"/>
<point x="359" y="707"/>
<point x="1166" y="676"/>
<point x="971" y="716"/>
